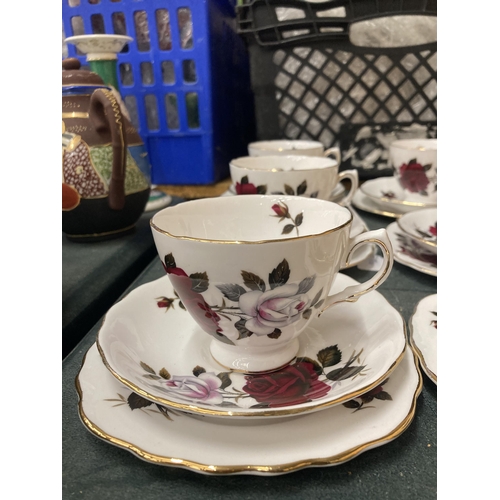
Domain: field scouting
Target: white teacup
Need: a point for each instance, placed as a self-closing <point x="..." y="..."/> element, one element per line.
<point x="414" y="162"/>
<point x="254" y="271"/>
<point x="312" y="177"/>
<point x="292" y="147"/>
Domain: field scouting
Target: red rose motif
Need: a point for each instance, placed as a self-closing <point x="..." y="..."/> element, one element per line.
<point x="245" y="188"/>
<point x="194" y="302"/>
<point x="280" y="210"/>
<point x="294" y="384"/>
<point x="412" y="177"/>
<point x="434" y="230"/>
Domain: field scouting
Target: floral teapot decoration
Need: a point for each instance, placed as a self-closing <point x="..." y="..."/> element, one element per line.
<point x="105" y="171"/>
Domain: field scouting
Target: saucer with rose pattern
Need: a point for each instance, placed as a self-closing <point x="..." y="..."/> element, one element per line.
<point x="423" y="335"/>
<point x="154" y="347"/>
<point x="162" y="436"/>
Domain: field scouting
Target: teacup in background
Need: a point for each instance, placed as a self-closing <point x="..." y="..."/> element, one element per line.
<point x="290" y="147"/>
<point x="414" y="162"/>
<point x="312" y="177"/>
<point x="254" y="271"/>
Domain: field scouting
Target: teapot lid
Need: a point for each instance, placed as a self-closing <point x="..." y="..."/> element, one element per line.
<point x="73" y="75"/>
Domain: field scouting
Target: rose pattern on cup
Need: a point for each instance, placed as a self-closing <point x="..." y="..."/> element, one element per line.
<point x="246" y="187"/>
<point x="169" y="302"/>
<point x="413" y="177"/>
<point x="281" y="211"/>
<point x="260" y="310"/>
<point x="299" y="382"/>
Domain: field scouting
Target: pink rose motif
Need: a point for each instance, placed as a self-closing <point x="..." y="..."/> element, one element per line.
<point x="202" y="388"/>
<point x="412" y="177"/>
<point x="294" y="384"/>
<point x="281" y="210"/>
<point x="273" y="309"/>
<point x="245" y="188"/>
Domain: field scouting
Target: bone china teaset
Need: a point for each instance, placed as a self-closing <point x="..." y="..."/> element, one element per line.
<point x="252" y="326"/>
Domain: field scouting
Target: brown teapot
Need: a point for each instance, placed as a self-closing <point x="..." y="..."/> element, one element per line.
<point x="105" y="171"/>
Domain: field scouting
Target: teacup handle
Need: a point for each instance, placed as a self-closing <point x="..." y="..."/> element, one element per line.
<point x="333" y="151"/>
<point x="353" y="292"/>
<point x="352" y="176"/>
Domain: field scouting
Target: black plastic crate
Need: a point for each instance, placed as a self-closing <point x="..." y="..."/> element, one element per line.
<point x="311" y="81"/>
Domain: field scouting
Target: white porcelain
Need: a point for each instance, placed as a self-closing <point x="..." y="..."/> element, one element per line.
<point x="423" y="335"/>
<point x="292" y="147"/>
<point x="409" y="253"/>
<point x="162" y="436"/>
<point x="255" y="270"/>
<point x="157" y="199"/>
<point x="99" y="46"/>
<point x="294" y="175"/>
<point x="362" y="202"/>
<point x="388" y="195"/>
<point x="421" y="226"/>
<point x="414" y="162"/>
<point x="358" y="226"/>
<point x="154" y="347"/>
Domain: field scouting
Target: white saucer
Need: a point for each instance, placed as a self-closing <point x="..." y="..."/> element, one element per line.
<point x="362" y="202"/>
<point x="161" y="353"/>
<point x="330" y="437"/>
<point x="423" y="335"/>
<point x="359" y="226"/>
<point x="410" y="254"/>
<point x="387" y="194"/>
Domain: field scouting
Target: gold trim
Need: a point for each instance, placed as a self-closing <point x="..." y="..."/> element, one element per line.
<point x="190" y="408"/>
<point x="274" y="469"/>
<point x="246" y="242"/>
<point x="75" y="114"/>
<point x="418" y="352"/>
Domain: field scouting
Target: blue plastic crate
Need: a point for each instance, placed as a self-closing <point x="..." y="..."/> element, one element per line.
<point x="184" y="79"/>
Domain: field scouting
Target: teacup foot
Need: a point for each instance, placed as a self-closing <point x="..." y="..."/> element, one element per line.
<point x="254" y="359"/>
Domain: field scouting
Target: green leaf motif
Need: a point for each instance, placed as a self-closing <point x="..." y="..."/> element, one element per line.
<point x="242" y="329"/>
<point x="302" y="188"/>
<point x="199" y="282"/>
<point x="244" y="179"/>
<point x="253" y="281"/>
<point x="307" y="313"/>
<point x="299" y="219"/>
<point x="288" y="229"/>
<point x="169" y="260"/>
<point x="232" y="292"/>
<point x="427" y="167"/>
<point x="262" y="189"/>
<point x="306" y="284"/>
<point x="280" y="274"/>
<point x="289" y="190"/>
<point x="225" y="378"/>
<point x="164" y="374"/>
<point x="351" y="404"/>
<point x="330" y="356"/>
<point x="344" y="373"/>
<point x="147" y="368"/>
<point x="198" y="370"/>
<point x="383" y="396"/>
<point x="276" y="334"/>
<point x="135" y="401"/>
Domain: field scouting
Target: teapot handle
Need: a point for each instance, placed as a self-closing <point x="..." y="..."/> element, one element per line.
<point x="105" y="114"/>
